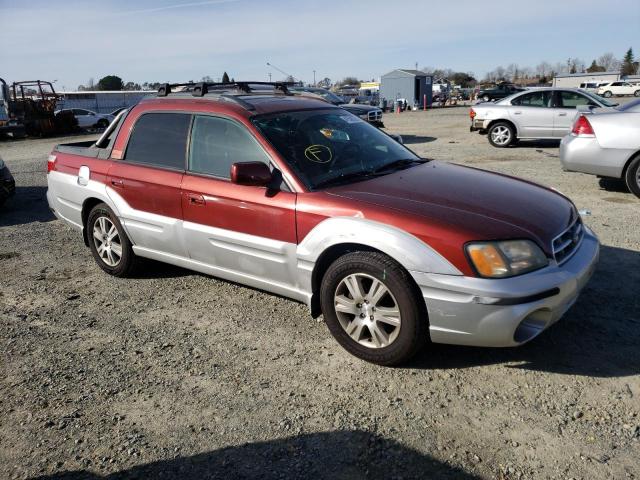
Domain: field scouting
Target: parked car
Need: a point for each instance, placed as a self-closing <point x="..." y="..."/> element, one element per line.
<point x="498" y="92"/>
<point x="371" y="114"/>
<point x="592" y="87"/>
<point x="298" y="197"/>
<point x="607" y="144"/>
<point x="533" y="114"/>
<point x="89" y="119"/>
<point x="619" y="89"/>
<point x="7" y="183"/>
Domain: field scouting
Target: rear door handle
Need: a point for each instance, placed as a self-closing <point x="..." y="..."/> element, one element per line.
<point x="117" y="182"/>
<point x="517" y="113"/>
<point x="562" y="114"/>
<point x="195" y="199"/>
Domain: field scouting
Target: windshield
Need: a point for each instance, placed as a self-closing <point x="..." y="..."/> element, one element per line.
<point x="599" y="99"/>
<point x="331" y="147"/>
<point x="633" y="106"/>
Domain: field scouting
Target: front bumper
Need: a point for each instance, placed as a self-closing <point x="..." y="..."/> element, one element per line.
<point x="505" y="312"/>
<point x="584" y="154"/>
<point x="7" y="184"/>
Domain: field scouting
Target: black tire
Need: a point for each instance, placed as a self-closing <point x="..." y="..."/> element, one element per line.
<point x="128" y="261"/>
<point x="636" y="93"/>
<point x="102" y="123"/>
<point x="494" y="129"/>
<point x="486" y="98"/>
<point x="632" y="177"/>
<point x="607" y="94"/>
<point x="413" y="331"/>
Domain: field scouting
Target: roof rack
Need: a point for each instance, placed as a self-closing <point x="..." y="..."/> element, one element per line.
<point x="202" y="88"/>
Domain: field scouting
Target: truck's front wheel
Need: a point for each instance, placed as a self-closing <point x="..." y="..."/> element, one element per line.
<point x="373" y="309"/>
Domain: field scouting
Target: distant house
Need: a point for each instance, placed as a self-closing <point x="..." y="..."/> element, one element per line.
<point x="573" y="80"/>
<point x="412" y="85"/>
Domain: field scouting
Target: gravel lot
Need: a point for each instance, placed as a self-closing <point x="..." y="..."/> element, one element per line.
<point x="178" y="375"/>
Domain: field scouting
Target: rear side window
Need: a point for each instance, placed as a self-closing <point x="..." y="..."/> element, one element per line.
<point x="160" y="139"/>
<point x="533" y="99"/>
<point x="217" y="143"/>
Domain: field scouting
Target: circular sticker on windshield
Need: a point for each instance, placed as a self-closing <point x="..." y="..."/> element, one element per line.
<point x="318" y="154"/>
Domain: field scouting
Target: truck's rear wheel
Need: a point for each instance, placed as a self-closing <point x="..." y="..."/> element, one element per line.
<point x="109" y="243"/>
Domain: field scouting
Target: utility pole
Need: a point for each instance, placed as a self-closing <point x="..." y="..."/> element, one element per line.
<point x="269" y="76"/>
<point x="314" y="78"/>
<point x="281" y="71"/>
<point x="416" y="65"/>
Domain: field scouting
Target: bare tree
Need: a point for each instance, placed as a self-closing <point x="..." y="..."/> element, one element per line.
<point x="513" y="72"/>
<point x="609" y="62"/>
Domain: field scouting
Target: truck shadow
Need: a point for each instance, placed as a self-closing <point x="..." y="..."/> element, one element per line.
<point x="352" y="454"/>
<point x="597" y="337"/>
<point x="28" y="205"/>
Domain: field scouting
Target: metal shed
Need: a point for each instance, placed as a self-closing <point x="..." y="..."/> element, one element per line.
<point x="411" y="85"/>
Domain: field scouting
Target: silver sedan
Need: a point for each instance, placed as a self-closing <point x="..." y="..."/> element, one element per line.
<point x="536" y="113"/>
<point x="606" y="143"/>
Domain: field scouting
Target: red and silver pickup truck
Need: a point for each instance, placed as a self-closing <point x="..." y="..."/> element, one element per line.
<point x="300" y="198"/>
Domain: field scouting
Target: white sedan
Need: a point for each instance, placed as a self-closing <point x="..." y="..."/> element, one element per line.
<point x="606" y="143"/>
<point x="89" y="119"/>
<point x="619" y="88"/>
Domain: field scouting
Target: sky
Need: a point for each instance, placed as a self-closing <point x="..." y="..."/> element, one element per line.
<point x="181" y="40"/>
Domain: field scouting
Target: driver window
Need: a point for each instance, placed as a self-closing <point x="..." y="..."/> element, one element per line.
<point x="572" y="100"/>
<point x="216" y="144"/>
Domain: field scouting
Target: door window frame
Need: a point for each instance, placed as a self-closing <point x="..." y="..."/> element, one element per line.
<point x="271" y="164"/>
<point x="185" y="161"/>
<point x="524" y="94"/>
<point x="558" y="94"/>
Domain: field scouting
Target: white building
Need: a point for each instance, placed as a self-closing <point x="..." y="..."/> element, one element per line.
<point x="573" y="80"/>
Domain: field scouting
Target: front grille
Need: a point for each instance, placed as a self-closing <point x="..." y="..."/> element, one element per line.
<point x="565" y="244"/>
<point x="375" y="115"/>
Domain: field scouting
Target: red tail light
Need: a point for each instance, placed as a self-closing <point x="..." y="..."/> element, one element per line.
<point x="51" y="163"/>
<point x="582" y="127"/>
<point x="472" y="114"/>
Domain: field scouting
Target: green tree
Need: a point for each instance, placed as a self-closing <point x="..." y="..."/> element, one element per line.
<point x="225" y="78"/>
<point x="594" y="67"/>
<point x="110" y="82"/>
<point x="628" y="65"/>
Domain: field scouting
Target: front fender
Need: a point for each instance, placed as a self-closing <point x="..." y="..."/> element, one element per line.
<point x="411" y="252"/>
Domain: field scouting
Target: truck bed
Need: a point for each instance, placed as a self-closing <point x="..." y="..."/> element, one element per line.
<point x="86" y="149"/>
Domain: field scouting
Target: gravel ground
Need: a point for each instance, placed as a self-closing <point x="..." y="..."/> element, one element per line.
<point x="179" y="375"/>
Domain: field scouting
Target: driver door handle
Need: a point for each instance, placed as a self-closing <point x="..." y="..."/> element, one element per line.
<point x="562" y="114"/>
<point x="195" y="199"/>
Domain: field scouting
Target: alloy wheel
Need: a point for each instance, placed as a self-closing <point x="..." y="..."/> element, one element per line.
<point x="107" y="241"/>
<point x="501" y="135"/>
<point x="367" y="310"/>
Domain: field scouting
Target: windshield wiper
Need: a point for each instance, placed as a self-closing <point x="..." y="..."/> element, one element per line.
<point x="344" y="178"/>
<point x="403" y="162"/>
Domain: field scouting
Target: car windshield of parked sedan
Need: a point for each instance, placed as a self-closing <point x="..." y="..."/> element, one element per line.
<point x="332" y="147"/>
<point x="632" y="107"/>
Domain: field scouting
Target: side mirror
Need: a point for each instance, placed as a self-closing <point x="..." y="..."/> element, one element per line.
<point x="255" y="174"/>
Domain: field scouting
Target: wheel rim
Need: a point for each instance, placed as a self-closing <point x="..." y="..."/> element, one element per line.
<point x="501" y="135"/>
<point x="638" y="177"/>
<point x="367" y="310"/>
<point x="107" y="241"/>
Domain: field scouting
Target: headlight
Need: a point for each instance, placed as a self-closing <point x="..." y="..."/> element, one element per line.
<point x="364" y="116"/>
<point x="506" y="259"/>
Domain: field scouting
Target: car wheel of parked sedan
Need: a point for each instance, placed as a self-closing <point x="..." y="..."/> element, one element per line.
<point x="501" y="134"/>
<point x="636" y="93"/>
<point x="607" y="94"/>
<point x="632" y="177"/>
<point x="373" y="309"/>
<point x="109" y="243"/>
<point x="102" y="123"/>
<point x="486" y="98"/>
